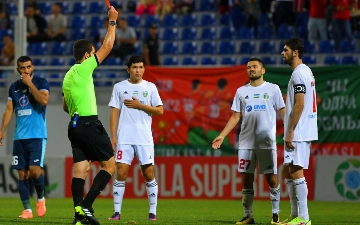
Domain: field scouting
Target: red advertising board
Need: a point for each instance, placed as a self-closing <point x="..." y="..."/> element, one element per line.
<point x="191" y="178"/>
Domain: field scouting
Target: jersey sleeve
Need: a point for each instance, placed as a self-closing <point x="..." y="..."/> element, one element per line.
<point x="10" y="95"/>
<point x="298" y="82"/>
<point x="115" y="99"/>
<point x="87" y="67"/>
<point x="43" y="85"/>
<point x="155" y="96"/>
<point x="236" y="102"/>
<point x="278" y="99"/>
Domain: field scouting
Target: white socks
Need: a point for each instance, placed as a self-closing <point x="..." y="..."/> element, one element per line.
<point x="118" y="192"/>
<point x="301" y="194"/>
<point x="275" y="199"/>
<point x="247" y="200"/>
<point x="152" y="192"/>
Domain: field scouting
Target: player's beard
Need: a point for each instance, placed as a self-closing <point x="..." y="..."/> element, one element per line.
<point x="255" y="76"/>
<point x="289" y="60"/>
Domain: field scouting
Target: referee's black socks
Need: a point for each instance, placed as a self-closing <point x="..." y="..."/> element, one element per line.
<point x="77" y="189"/>
<point x="99" y="183"/>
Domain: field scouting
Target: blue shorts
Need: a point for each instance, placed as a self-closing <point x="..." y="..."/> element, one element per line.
<point x="28" y="152"/>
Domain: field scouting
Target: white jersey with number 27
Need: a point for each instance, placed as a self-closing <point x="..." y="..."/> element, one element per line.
<point x="302" y="81"/>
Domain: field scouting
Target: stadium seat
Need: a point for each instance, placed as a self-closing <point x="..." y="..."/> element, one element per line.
<point x="77" y="34"/>
<point x="78" y="22"/>
<point x="97" y="7"/>
<point x="347" y="46"/>
<point x="96" y="22"/>
<point x="188" y="34"/>
<point x="133" y="21"/>
<point x="208" y="33"/>
<point x="170" y="20"/>
<point x="309" y="59"/>
<point x="247" y="47"/>
<point x="64" y="7"/>
<point x="269" y="60"/>
<point x="94" y="34"/>
<point x="309" y="46"/>
<point x="265" y="32"/>
<point x="208" y="47"/>
<point x="246" y="33"/>
<point x="227" y="33"/>
<point x="331" y="60"/>
<point x="227" y="47"/>
<point x="3" y="33"/>
<point x="57" y="62"/>
<point x="113" y="61"/>
<point x="71" y="61"/>
<point x="189" y="61"/>
<point x="58" y="48"/>
<point x="189" y="20"/>
<point x="39" y="62"/>
<point x="70" y="47"/>
<point x="302" y="32"/>
<point x="302" y="19"/>
<point x="267" y="47"/>
<point x="285" y="32"/>
<point x="151" y="20"/>
<point x="208" y="61"/>
<point x="45" y="8"/>
<point x="170" y="48"/>
<point x="170" y="61"/>
<point x="244" y="60"/>
<point x="208" y="19"/>
<point x="326" y="46"/>
<point x="264" y="20"/>
<point x="189" y="48"/>
<point x="39" y="48"/>
<point x="11" y="8"/>
<point x="225" y="20"/>
<point x="350" y="60"/>
<point x="228" y="61"/>
<point x="170" y="34"/>
<point x="79" y="7"/>
<point x="207" y="5"/>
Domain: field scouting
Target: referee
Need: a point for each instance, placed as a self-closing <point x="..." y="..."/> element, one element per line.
<point x="89" y="140"/>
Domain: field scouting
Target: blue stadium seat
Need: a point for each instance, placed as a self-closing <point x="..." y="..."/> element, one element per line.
<point x="94" y="34"/>
<point x="244" y="60"/>
<point x="264" y="20"/>
<point x="170" y="48"/>
<point x="227" y="47"/>
<point x="309" y="46"/>
<point x="267" y="47"/>
<point x="208" y="33"/>
<point x="170" y="61"/>
<point x="78" y="22"/>
<point x="350" y="60"/>
<point x="79" y="8"/>
<point x="309" y="59"/>
<point x="111" y="75"/>
<point x="247" y="47"/>
<point x="302" y="32"/>
<point x="189" y="20"/>
<point x="77" y="34"/>
<point x="170" y="34"/>
<point x="64" y="7"/>
<point x="332" y="60"/>
<point x="113" y="61"/>
<point x="45" y="8"/>
<point x="208" y="19"/>
<point x="208" y="47"/>
<point x="58" y="48"/>
<point x="96" y="22"/>
<point x="265" y="32"/>
<point x="70" y="47"/>
<point x="151" y="20"/>
<point x="208" y="61"/>
<point x="39" y="62"/>
<point x="133" y="21"/>
<point x="55" y="80"/>
<point x="39" y="48"/>
<point x="246" y="33"/>
<point x="207" y="5"/>
<point x="228" y="61"/>
<point x="188" y="34"/>
<point x="170" y="20"/>
<point x="347" y="46"/>
<point x="11" y="8"/>
<point x="96" y="7"/>
<point x="189" y="61"/>
<point x="326" y="46"/>
<point x="225" y="19"/>
<point x="227" y="33"/>
<point x="285" y="32"/>
<point x="302" y="19"/>
<point x="269" y="60"/>
<point x="71" y="61"/>
<point x="57" y="62"/>
<point x="189" y="48"/>
<point x="3" y="33"/>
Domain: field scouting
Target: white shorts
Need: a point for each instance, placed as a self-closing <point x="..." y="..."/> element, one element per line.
<point x="266" y="159"/>
<point x="144" y="154"/>
<point x="298" y="156"/>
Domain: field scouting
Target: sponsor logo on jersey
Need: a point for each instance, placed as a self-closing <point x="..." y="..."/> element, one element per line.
<point x="145" y="94"/>
<point x="259" y="107"/>
<point x="248" y="108"/>
<point x="256" y="95"/>
<point x="312" y="116"/>
<point x="23" y="101"/>
<point x="266" y="96"/>
<point x="135" y="92"/>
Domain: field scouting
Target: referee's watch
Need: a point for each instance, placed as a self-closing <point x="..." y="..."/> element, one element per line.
<point x="112" y="23"/>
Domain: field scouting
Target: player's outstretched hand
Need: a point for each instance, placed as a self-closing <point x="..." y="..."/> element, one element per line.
<point x="217" y="142"/>
<point x="112" y="13"/>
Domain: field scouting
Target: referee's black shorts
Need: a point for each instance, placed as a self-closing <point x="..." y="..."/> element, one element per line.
<point x="89" y="140"/>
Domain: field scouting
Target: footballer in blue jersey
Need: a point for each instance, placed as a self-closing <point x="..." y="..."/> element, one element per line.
<point x="27" y="99"/>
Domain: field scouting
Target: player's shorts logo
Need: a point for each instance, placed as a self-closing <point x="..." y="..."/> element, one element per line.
<point x="347" y="179"/>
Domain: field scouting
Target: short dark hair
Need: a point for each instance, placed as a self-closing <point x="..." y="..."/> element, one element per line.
<point x="295" y="44"/>
<point x="135" y="59"/>
<point x="81" y="47"/>
<point x="195" y="83"/>
<point x="23" y="59"/>
<point x="257" y="60"/>
<point x="222" y="82"/>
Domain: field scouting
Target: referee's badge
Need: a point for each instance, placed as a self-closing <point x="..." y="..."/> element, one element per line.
<point x="145" y="94"/>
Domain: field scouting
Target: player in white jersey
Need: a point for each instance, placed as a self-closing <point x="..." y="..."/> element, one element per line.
<point x="132" y="103"/>
<point x="257" y="103"/>
<point x="300" y="128"/>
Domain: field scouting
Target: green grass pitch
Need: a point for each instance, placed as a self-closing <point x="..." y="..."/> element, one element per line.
<point x="135" y="211"/>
